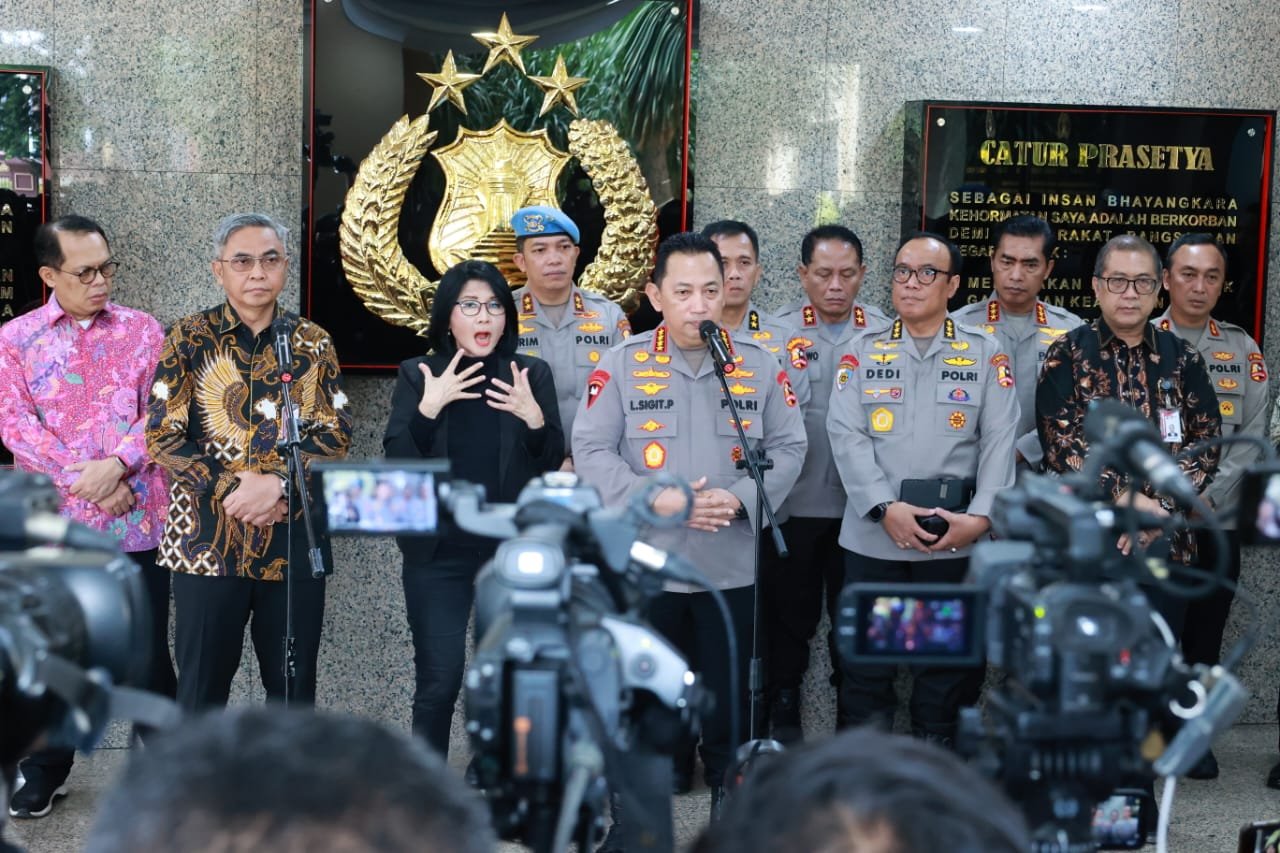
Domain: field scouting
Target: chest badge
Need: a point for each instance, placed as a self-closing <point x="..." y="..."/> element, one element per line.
<point x="655" y="455"/>
<point x="881" y="420"/>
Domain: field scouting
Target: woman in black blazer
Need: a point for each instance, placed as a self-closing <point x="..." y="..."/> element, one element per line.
<point x="492" y="413"/>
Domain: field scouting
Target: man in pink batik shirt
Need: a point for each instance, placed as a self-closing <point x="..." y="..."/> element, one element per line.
<point x="74" y="379"/>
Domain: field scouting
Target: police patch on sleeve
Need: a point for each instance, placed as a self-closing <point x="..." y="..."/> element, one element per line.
<point x="595" y="384"/>
<point x="787" y="393"/>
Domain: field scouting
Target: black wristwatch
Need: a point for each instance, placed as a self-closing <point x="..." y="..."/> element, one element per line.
<point x="741" y="512"/>
<point x="877" y="512"/>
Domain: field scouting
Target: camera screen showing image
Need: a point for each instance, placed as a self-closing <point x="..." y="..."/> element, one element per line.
<point x="1259" y="514"/>
<point x="381" y="498"/>
<point x="1120" y="821"/>
<point x="911" y="624"/>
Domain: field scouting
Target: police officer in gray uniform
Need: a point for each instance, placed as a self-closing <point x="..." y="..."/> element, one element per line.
<point x="1023" y="324"/>
<point x="923" y="421"/>
<point x="1194" y="276"/>
<point x="831" y="272"/>
<point x="654" y="405"/>
<point x="567" y="327"/>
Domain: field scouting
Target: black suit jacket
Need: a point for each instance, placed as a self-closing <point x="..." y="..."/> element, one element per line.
<point x="522" y="453"/>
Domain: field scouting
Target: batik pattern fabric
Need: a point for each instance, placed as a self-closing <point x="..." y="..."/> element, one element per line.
<point x="215" y="412"/>
<point x="1162" y="372"/>
<point x="71" y="394"/>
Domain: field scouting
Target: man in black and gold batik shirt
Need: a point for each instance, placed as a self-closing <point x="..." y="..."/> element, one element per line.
<point x="1123" y="357"/>
<point x="213" y="424"/>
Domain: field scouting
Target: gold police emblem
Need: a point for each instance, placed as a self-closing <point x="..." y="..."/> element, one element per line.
<point x="489" y="174"/>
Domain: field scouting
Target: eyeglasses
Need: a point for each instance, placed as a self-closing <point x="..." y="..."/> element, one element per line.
<point x="925" y="275"/>
<point x="244" y="263"/>
<point x="87" y="275"/>
<point x="471" y="307"/>
<point x="1119" y="284"/>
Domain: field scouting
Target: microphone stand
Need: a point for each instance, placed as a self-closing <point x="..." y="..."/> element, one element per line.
<point x="290" y="446"/>
<point x="755" y="464"/>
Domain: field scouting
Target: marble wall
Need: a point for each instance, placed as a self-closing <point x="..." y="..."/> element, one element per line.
<point x="166" y="117"/>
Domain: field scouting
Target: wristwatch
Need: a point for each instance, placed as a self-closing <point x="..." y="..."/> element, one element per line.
<point x="877" y="512"/>
<point x="741" y="512"/>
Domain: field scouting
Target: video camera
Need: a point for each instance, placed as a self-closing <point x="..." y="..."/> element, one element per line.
<point x="73" y="626"/>
<point x="1097" y="696"/>
<point x="570" y="695"/>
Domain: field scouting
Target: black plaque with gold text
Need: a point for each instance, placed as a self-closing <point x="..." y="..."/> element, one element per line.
<point x="1093" y="173"/>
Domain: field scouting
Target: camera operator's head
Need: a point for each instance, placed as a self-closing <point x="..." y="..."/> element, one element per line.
<point x="868" y="792"/>
<point x="288" y="781"/>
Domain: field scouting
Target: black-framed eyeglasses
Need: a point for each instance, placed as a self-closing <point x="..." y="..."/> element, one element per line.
<point x="1119" y="284"/>
<point x="925" y="275"/>
<point x="471" y="307"/>
<point x="87" y="275"/>
<point x="245" y="263"/>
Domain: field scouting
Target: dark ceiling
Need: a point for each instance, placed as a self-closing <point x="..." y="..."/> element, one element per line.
<point x="437" y="25"/>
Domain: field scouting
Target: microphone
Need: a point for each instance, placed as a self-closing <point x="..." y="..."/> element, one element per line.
<point x="1132" y="440"/>
<point x="710" y="333"/>
<point x="283" y="331"/>
<point x="24" y="530"/>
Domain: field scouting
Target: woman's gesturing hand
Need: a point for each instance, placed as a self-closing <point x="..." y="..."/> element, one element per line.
<point x="516" y="398"/>
<point x="451" y="384"/>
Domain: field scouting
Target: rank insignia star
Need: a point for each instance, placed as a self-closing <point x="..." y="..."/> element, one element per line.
<point x="651" y="388"/>
<point x="559" y="88"/>
<point x="449" y="84"/>
<point x="504" y="45"/>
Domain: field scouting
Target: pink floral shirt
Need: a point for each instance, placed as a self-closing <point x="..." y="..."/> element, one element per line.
<point x="70" y="394"/>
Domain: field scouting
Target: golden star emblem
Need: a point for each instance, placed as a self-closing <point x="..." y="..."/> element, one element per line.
<point x="449" y="83"/>
<point x="559" y="87"/>
<point x="504" y="45"/>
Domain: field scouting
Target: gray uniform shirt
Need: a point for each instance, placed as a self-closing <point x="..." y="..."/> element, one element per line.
<point x="773" y="335"/>
<point x="898" y="415"/>
<point x="573" y="346"/>
<point x="818" y="493"/>
<point x="1239" y="377"/>
<point x="1026" y="348"/>
<point x="647" y="413"/>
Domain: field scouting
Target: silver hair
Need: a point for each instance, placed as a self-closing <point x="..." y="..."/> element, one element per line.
<point x="233" y="223"/>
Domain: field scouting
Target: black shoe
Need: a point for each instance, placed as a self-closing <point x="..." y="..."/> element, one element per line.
<point x="717" y="802"/>
<point x="1273" y="778"/>
<point x="1206" y="767"/>
<point x="35" y="797"/>
<point x="784" y="716"/>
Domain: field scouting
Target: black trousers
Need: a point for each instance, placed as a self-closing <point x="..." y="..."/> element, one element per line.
<point x="1206" y="618"/>
<point x="793" y="589"/>
<point x="210" y="614"/>
<point x="57" y="761"/>
<point x="938" y="692"/>
<point x="438" y="598"/>
<point x="691" y="621"/>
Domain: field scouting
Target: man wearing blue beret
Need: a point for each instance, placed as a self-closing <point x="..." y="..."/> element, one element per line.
<point x="559" y="322"/>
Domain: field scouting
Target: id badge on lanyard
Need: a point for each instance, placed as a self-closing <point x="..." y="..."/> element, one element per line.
<point x="1170" y="417"/>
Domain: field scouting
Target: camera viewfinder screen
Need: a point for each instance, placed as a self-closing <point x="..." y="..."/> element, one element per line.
<point x="380" y="501"/>
<point x="905" y="626"/>
<point x="1116" y="822"/>
<point x="1267" y="520"/>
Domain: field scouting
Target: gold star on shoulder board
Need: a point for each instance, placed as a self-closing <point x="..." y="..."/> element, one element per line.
<point x="504" y="45"/>
<point x="449" y="83"/>
<point x="559" y="87"/>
